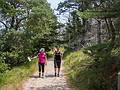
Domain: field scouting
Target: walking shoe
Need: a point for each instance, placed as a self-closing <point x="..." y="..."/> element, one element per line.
<point x="55" y="74"/>
<point x="58" y="75"/>
<point x="43" y="75"/>
<point x="39" y="74"/>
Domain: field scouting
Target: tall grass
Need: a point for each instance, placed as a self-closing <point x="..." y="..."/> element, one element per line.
<point x="94" y="70"/>
<point x="75" y="64"/>
<point x="11" y="80"/>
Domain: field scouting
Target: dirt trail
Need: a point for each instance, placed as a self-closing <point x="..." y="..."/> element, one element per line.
<point x="49" y="82"/>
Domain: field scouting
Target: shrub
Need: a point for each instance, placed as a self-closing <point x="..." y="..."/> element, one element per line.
<point x="94" y="69"/>
<point x="15" y="48"/>
<point x="3" y="66"/>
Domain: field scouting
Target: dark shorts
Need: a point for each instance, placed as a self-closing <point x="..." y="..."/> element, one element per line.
<point x="57" y="63"/>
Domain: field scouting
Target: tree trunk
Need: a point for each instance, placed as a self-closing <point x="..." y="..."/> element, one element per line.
<point x="99" y="32"/>
<point x="113" y="34"/>
<point x="108" y="28"/>
<point x="12" y="22"/>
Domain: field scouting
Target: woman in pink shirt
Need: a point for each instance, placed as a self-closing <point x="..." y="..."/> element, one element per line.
<point x="42" y="61"/>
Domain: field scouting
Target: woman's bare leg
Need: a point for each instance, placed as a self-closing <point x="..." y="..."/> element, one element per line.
<point x="55" y="72"/>
<point x="58" y="71"/>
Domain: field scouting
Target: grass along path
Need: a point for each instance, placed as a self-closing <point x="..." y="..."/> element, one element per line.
<point x="49" y="82"/>
<point x="12" y="79"/>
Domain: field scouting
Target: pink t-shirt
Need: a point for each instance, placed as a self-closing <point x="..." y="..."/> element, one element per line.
<point x="41" y="57"/>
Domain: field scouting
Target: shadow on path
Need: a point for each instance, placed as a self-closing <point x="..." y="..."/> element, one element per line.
<point x="46" y="76"/>
<point x="50" y="82"/>
<point x="56" y="87"/>
<point x="34" y="76"/>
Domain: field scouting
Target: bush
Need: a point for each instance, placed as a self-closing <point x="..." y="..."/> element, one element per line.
<point x="76" y="65"/>
<point x="3" y="69"/>
<point x="49" y="54"/>
<point x="3" y="66"/>
<point x="15" y="48"/>
<point x="94" y="69"/>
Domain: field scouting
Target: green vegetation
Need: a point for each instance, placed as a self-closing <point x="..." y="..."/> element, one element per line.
<point x="25" y="27"/>
<point x="11" y="79"/>
<point x="93" y="31"/>
<point x="94" y="68"/>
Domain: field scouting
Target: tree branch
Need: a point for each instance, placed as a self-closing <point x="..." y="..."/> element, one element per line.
<point x="18" y="22"/>
<point x="4" y="24"/>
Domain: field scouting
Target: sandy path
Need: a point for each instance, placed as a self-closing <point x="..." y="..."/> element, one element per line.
<point x="49" y="82"/>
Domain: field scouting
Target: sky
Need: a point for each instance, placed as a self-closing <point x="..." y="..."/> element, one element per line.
<point x="54" y="5"/>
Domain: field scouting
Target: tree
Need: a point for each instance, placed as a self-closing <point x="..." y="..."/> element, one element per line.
<point x="26" y="26"/>
<point x="104" y="12"/>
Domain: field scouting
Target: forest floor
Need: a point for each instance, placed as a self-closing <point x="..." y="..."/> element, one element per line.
<point x="49" y="82"/>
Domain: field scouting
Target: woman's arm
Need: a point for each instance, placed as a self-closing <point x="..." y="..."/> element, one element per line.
<point x="46" y="60"/>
